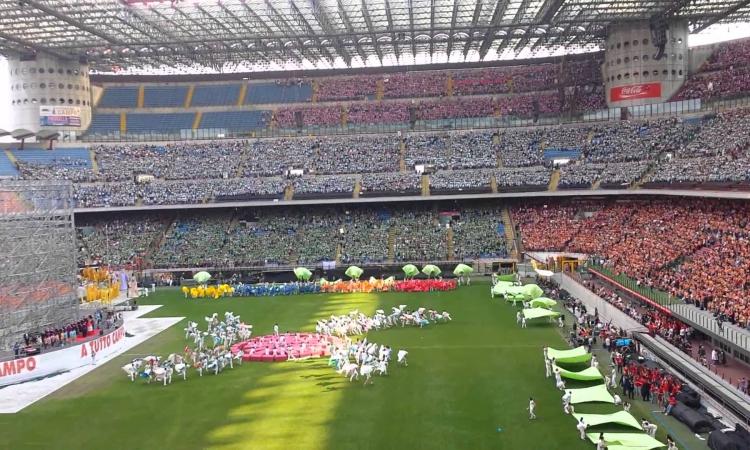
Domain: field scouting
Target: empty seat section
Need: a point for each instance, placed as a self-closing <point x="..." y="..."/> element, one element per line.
<point x="119" y="97"/>
<point x="160" y="123"/>
<point x="268" y="93"/>
<point x="216" y="95"/>
<point x="235" y="120"/>
<point x="7" y="168"/>
<point x="104" y="124"/>
<point x="164" y="96"/>
<point x="62" y="156"/>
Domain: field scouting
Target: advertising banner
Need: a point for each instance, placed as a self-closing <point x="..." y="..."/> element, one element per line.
<point x="59" y="116"/>
<point x="635" y="92"/>
<point x="45" y="364"/>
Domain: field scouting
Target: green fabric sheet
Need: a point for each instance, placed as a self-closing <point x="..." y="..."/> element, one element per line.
<point x="302" y="273"/>
<point x="543" y="302"/>
<point x="538" y="313"/>
<point x="591" y="394"/>
<point x="621" y="418"/>
<point x="590" y="374"/>
<point x="354" y="272"/>
<point x="532" y="291"/>
<point x="574" y="355"/>
<point x="509" y="277"/>
<point x="202" y="277"/>
<point x="627" y="440"/>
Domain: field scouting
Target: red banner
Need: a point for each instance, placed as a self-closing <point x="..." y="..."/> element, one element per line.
<point x="635" y="91"/>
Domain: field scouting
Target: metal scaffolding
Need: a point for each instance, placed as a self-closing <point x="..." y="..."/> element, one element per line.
<point x="193" y="34"/>
<point x="37" y="258"/>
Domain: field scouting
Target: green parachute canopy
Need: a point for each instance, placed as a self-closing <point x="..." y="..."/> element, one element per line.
<point x="543" y="302"/>
<point x="591" y="394"/>
<point x="462" y="270"/>
<point x="538" y="313"/>
<point x="202" y="277"/>
<point x="302" y="273"/>
<point x="431" y="270"/>
<point x="354" y="272"/>
<point x="621" y="418"/>
<point x="410" y="270"/>
<point x="574" y="355"/>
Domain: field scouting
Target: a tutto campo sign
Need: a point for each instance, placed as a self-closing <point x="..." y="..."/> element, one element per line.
<point x="635" y="92"/>
<point x="45" y="364"/>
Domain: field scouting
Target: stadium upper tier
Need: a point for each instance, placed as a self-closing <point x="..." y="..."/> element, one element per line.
<point x="708" y="151"/>
<point x="353" y="102"/>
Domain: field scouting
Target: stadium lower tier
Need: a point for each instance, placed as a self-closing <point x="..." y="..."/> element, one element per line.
<point x="697" y="250"/>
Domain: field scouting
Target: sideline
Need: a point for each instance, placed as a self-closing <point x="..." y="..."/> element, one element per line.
<point x="16" y="397"/>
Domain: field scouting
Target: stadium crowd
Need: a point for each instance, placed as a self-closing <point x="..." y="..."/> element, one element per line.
<point x="694" y="250"/>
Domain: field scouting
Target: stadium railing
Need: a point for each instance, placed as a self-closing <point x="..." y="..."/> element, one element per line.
<point x="656" y="296"/>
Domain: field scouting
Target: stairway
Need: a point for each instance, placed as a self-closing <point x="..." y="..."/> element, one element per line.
<point x="243" y="94"/>
<point x="449" y="244"/>
<point x="155" y="245"/>
<point x="595" y="184"/>
<point x="141" y="96"/>
<point x="449" y="85"/>
<point x="289" y="192"/>
<point x="554" y="180"/>
<point x="425" y="186"/>
<point x="12" y="158"/>
<point x="344" y="116"/>
<point x="338" y="254"/>
<point x="315" y="88"/>
<point x="94" y="162"/>
<point x="189" y="96"/>
<point x="197" y="120"/>
<point x="123" y="123"/>
<point x="391" y="244"/>
<point x="357" y="188"/>
<point x="402" y="155"/>
<point x="510" y="233"/>
<point x="493" y="184"/>
<point x="379" y="89"/>
<point x="646" y="177"/>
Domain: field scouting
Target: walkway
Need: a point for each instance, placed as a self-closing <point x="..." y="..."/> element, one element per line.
<point x="18" y="396"/>
<point x="706" y="323"/>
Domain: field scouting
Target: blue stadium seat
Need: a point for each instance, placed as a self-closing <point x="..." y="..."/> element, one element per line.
<point x="61" y="156"/>
<point x="562" y="153"/>
<point x="268" y="93"/>
<point x="216" y="95"/>
<point x="104" y="124"/>
<point x="164" y="96"/>
<point x="7" y="168"/>
<point x="234" y="120"/>
<point x="119" y="97"/>
<point x="161" y="123"/>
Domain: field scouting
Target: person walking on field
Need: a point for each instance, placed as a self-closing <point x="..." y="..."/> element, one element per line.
<point x="531" y="408"/>
<point x="276" y="329"/>
<point x="582" y="428"/>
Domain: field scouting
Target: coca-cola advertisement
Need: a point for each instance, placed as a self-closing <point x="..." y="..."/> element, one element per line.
<point x="635" y="91"/>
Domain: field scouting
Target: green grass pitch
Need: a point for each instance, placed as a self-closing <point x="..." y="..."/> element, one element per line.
<point x="466" y="387"/>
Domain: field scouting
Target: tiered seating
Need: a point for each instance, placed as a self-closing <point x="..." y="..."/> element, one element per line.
<point x="159" y="123"/>
<point x="234" y="120"/>
<point x="164" y="96"/>
<point x="119" y="97"/>
<point x="215" y="95"/>
<point x="65" y="163"/>
<point x="269" y="93"/>
<point x="104" y="124"/>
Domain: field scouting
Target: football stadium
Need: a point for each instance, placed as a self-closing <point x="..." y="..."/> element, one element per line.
<point x="388" y="224"/>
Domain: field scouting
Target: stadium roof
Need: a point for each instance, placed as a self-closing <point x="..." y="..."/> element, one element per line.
<point x="222" y="34"/>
